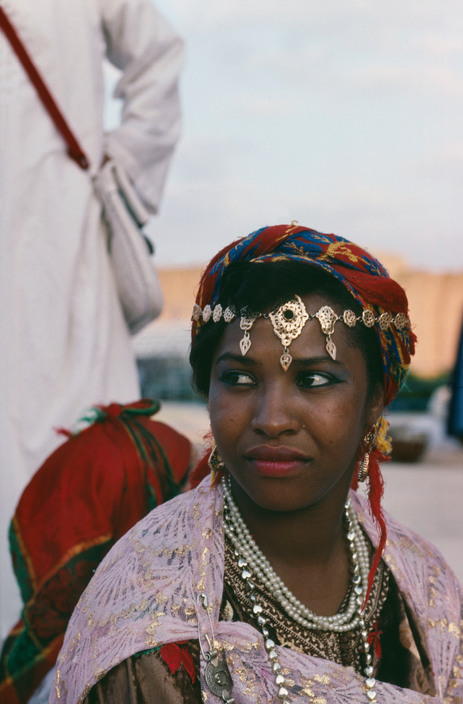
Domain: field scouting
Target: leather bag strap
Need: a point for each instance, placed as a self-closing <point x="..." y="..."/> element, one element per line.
<point x="74" y="150"/>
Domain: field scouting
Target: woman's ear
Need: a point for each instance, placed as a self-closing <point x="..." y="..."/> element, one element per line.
<point x="375" y="404"/>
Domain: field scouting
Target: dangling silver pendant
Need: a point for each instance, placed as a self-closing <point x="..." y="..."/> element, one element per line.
<point x="288" y="321"/>
<point x="216" y="674"/>
<point x="245" y="343"/>
<point x="330" y="347"/>
<point x="218" y="677"/>
<point x="285" y="360"/>
<point x="246" y="323"/>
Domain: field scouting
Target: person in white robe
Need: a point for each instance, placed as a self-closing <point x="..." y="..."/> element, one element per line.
<point x="64" y="342"/>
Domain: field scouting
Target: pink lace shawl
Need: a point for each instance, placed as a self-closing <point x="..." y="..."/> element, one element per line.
<point x="145" y="593"/>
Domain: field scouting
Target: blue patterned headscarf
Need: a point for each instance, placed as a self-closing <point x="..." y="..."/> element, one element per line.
<point x="361" y="274"/>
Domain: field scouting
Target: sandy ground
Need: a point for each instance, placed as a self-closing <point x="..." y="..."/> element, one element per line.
<point x="426" y="496"/>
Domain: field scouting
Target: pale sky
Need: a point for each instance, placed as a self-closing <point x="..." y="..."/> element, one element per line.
<point x="345" y="115"/>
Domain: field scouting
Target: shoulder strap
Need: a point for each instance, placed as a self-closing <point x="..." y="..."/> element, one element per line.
<point x="74" y="149"/>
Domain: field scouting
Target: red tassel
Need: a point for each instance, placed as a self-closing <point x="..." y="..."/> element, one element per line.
<point x="374" y="638"/>
<point x="176" y="654"/>
<point x="375" y="494"/>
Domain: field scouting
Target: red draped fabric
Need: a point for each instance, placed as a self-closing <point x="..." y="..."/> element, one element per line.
<point x="86" y="495"/>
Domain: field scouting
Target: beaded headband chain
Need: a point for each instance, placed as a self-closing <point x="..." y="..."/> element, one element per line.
<point x="288" y="321"/>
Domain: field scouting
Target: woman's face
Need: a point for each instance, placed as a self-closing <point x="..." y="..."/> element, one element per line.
<point x="290" y="439"/>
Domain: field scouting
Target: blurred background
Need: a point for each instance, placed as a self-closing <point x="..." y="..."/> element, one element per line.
<point x="344" y="115"/>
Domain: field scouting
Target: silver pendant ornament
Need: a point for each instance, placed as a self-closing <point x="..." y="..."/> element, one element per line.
<point x="327" y="319"/>
<point x="216" y="674"/>
<point x="246" y="323"/>
<point x="288" y="321"/>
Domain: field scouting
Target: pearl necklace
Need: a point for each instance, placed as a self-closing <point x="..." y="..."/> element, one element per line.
<point x="252" y="561"/>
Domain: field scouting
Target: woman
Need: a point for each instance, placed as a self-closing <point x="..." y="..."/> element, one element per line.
<point x="272" y="581"/>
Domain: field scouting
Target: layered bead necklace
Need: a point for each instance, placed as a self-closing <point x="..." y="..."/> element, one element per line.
<point x="253" y="564"/>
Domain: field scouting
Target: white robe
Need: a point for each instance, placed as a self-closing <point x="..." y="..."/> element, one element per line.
<point x="64" y="345"/>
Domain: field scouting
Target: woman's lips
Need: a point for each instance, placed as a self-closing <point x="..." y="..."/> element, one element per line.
<point x="276" y="461"/>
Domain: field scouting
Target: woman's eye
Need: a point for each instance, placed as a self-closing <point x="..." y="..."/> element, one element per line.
<point x="315" y="379"/>
<point x="237" y="378"/>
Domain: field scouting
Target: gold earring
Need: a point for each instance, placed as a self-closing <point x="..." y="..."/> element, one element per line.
<point x="369" y="443"/>
<point x="364" y="466"/>
<point x="215" y="463"/>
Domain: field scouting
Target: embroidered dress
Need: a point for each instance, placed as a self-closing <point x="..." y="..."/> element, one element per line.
<point x="170" y="673"/>
<point x="144" y="596"/>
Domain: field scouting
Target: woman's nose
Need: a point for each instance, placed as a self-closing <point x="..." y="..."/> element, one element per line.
<point x="275" y="413"/>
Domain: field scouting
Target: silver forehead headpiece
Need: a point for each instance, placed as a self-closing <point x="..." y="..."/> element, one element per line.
<point x="289" y="319"/>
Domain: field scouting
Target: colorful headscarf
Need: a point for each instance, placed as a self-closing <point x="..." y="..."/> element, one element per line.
<point x="370" y="285"/>
<point x="361" y="274"/>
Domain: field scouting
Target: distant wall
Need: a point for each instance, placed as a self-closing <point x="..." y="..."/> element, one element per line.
<point x="436" y="311"/>
<point x="436" y="308"/>
<point x="179" y="287"/>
